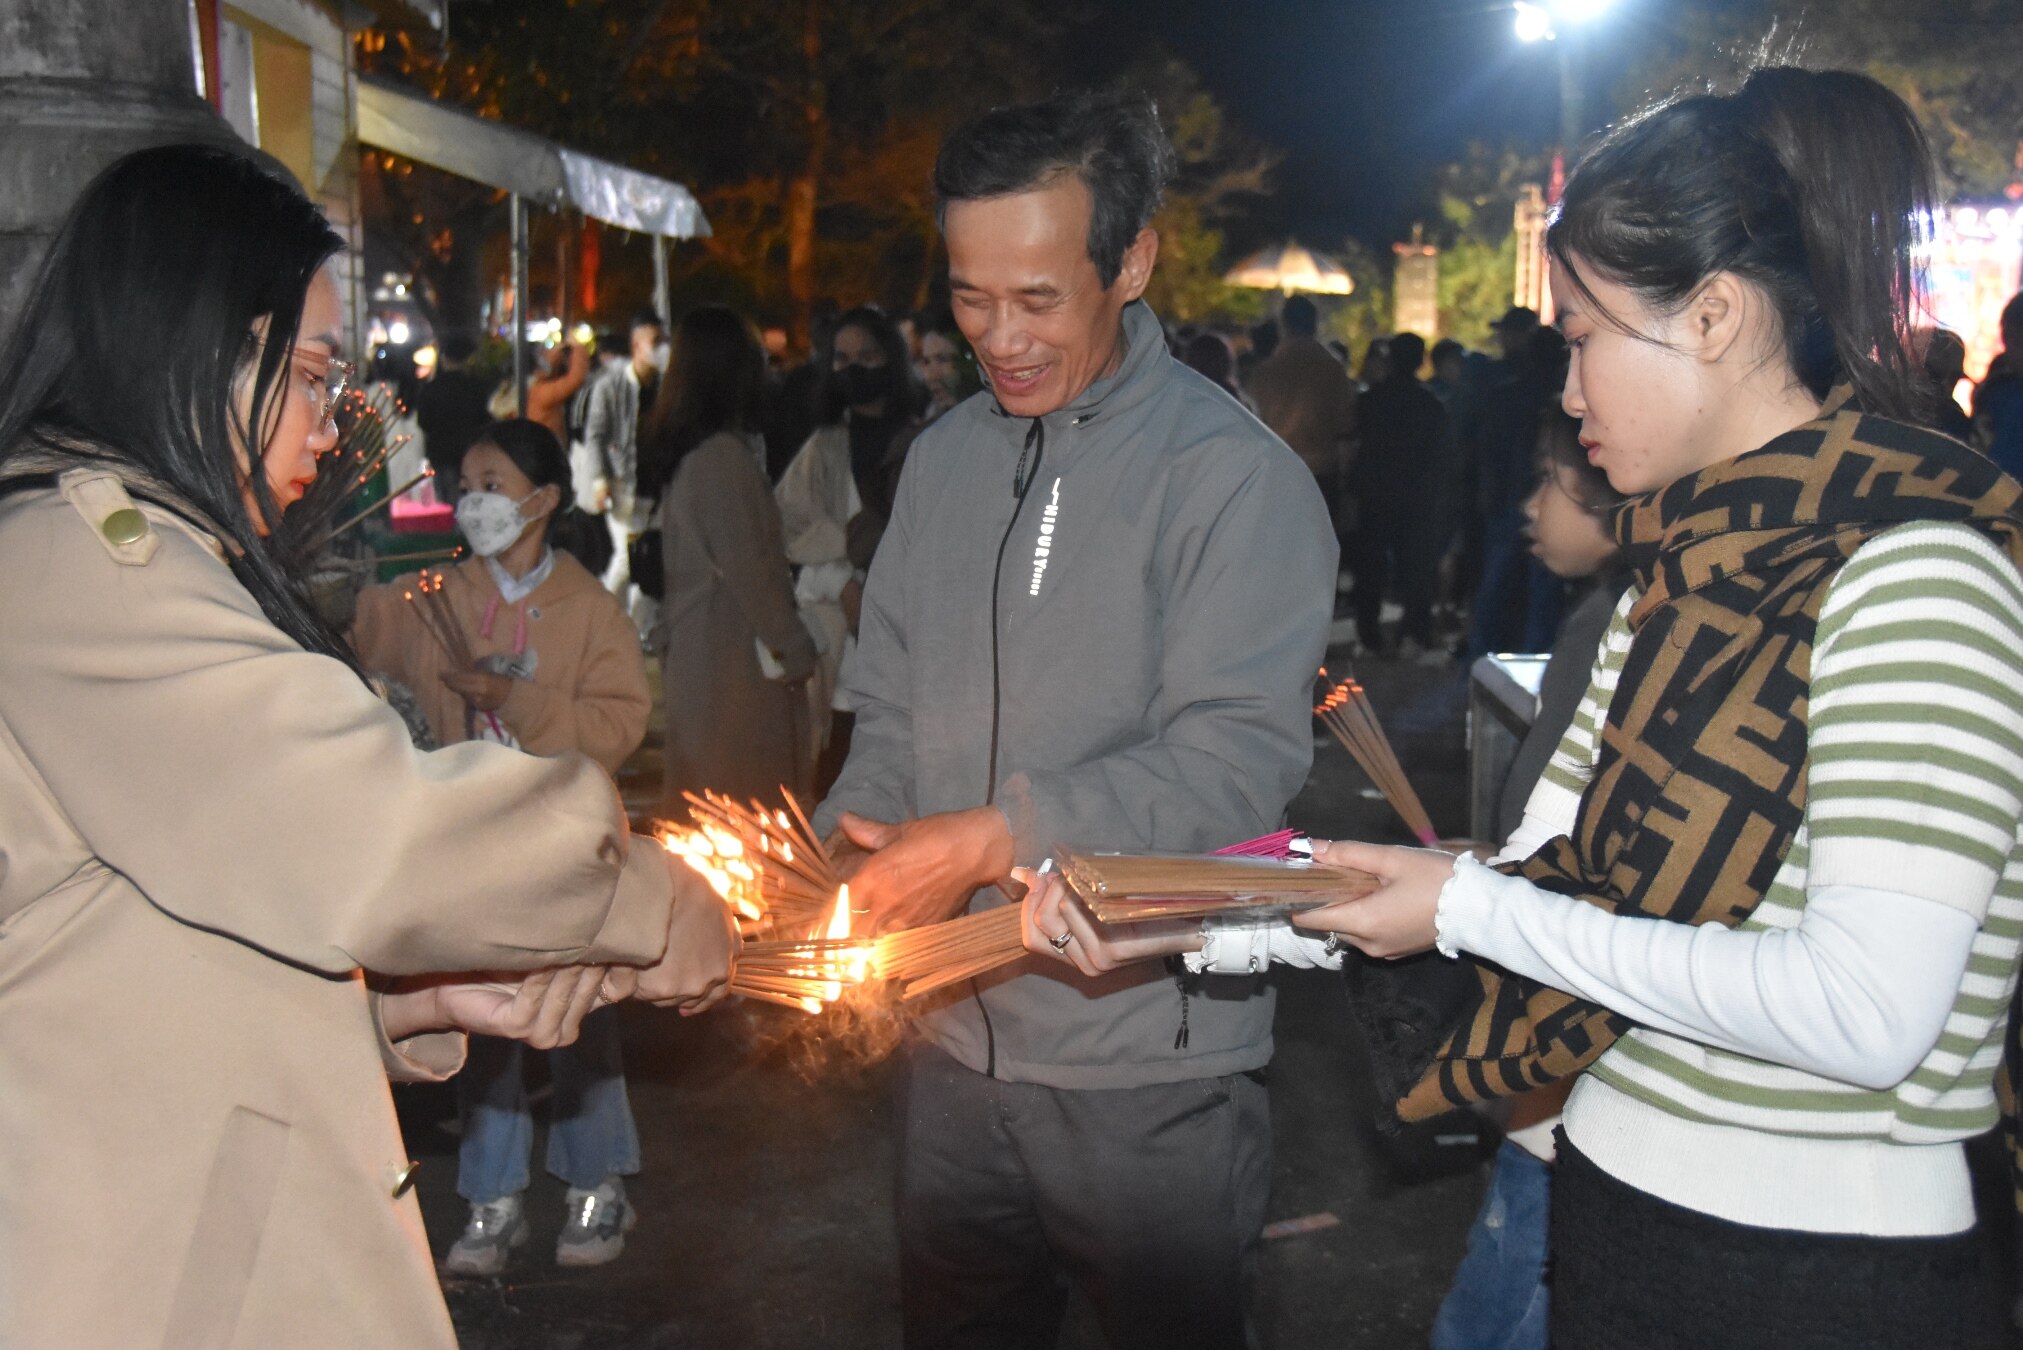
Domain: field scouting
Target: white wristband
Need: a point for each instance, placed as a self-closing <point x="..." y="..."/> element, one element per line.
<point x="1233" y="945"/>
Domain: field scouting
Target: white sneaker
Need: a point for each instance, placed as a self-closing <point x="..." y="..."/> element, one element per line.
<point x="495" y="1231"/>
<point x="595" y="1226"/>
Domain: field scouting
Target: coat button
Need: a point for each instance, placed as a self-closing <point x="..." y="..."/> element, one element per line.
<point x="124" y="526"/>
<point x="403" y="1180"/>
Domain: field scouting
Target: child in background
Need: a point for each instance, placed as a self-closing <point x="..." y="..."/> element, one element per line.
<point x="557" y="669"/>
<point x="1499" y="1299"/>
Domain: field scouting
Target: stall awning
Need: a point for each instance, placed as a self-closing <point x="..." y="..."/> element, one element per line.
<point x="398" y="120"/>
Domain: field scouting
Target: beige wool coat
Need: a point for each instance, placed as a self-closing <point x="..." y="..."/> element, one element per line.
<point x="207" y="836"/>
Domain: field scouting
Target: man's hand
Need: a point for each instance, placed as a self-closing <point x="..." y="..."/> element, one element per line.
<point x="702" y="949"/>
<point x="922" y="871"/>
<point x="544" y="1008"/>
<point x="482" y="689"/>
<point x="1055" y="925"/>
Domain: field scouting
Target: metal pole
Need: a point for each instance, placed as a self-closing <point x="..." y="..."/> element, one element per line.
<point x="660" y="296"/>
<point x="1572" y="114"/>
<point x="517" y="334"/>
<point x="562" y="270"/>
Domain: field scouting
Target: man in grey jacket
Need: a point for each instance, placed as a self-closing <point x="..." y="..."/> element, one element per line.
<point x="1096" y="618"/>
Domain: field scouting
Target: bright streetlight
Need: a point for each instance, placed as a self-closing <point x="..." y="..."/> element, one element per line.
<point x="1533" y="23"/>
<point x="1539" y="20"/>
<point x="1556" y="21"/>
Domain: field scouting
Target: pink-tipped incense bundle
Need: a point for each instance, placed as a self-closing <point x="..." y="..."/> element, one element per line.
<point x="1347" y="713"/>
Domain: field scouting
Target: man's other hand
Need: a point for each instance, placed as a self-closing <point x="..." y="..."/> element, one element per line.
<point x="923" y="871"/>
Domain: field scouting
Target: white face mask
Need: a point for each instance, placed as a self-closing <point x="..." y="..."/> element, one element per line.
<point x="662" y="354"/>
<point x="491" y="521"/>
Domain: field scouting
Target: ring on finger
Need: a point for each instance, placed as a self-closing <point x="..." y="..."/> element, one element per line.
<point x="1333" y="945"/>
<point x="1060" y="944"/>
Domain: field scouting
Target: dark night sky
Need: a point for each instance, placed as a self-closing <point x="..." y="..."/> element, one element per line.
<point x="1368" y="97"/>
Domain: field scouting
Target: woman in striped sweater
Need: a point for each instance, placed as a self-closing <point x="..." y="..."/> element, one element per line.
<point x="1771" y="893"/>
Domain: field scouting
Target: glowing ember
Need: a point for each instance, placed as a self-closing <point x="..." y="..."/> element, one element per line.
<point x="718" y="857"/>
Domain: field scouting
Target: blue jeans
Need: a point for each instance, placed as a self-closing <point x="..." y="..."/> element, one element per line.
<point x="1499" y="1299"/>
<point x="590" y="1131"/>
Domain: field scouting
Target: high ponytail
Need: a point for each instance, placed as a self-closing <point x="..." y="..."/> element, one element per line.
<point x="1816" y="186"/>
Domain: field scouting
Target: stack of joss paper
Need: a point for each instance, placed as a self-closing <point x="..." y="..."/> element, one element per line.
<point x="941" y="954"/>
<point x="1137" y="887"/>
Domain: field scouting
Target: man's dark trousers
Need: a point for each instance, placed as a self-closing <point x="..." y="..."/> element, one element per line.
<point x="1148" y="1198"/>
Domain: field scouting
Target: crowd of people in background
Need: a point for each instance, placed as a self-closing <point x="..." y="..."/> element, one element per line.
<point x="1426" y="458"/>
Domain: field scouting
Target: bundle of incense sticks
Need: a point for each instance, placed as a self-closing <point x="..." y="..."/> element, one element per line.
<point x="768" y="864"/>
<point x="1134" y="887"/>
<point x="439" y="616"/>
<point x="807" y="973"/>
<point x="363" y="445"/>
<point x="935" y="955"/>
<point x="1347" y="713"/>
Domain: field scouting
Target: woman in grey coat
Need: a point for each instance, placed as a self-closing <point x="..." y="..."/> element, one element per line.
<point x="734" y="653"/>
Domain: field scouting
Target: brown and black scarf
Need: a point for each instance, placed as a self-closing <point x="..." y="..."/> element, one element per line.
<point x="1700" y="784"/>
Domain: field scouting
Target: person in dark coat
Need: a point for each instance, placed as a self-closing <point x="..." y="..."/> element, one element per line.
<point x="452" y="407"/>
<point x="1396" y="477"/>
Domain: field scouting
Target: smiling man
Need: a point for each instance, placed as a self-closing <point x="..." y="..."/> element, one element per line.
<point x="1094" y="619"/>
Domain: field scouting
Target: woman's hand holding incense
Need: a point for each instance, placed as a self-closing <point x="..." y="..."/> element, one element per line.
<point x="1051" y="911"/>
<point x="1396" y="919"/>
<point x="702" y="945"/>
<point x="923" y="871"/>
<point x="485" y="690"/>
<point x="544" y="1008"/>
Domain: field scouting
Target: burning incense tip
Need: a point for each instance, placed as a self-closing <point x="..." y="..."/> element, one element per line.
<point x="1309" y="1223"/>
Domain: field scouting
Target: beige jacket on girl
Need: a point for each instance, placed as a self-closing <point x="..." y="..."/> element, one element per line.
<point x="580" y="678"/>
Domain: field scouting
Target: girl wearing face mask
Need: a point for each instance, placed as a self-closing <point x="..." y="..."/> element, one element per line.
<point x="558" y="669"/>
<point x="868" y="398"/>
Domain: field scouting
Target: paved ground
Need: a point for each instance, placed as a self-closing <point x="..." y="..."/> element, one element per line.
<point x="765" y="1222"/>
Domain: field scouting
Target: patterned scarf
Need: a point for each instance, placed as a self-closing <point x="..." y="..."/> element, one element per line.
<point x="1699" y="787"/>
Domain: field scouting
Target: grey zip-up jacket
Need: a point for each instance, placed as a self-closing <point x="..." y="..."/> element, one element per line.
<point x="1162" y="610"/>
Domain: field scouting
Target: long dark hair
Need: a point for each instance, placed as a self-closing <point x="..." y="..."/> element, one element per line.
<point x="903" y="397"/>
<point x="1816" y="186"/>
<point x="536" y="453"/>
<point x="139" y="326"/>
<point x="715" y="373"/>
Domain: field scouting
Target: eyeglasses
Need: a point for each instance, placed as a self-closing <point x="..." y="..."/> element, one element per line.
<point x="336" y="383"/>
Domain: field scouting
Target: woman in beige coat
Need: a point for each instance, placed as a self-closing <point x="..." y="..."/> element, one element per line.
<point x="227" y="874"/>
<point x="735" y="656"/>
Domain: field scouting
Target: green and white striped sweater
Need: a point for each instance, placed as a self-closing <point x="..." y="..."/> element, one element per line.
<point x="1915" y="785"/>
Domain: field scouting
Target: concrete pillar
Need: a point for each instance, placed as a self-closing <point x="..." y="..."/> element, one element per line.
<point x="83" y="82"/>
